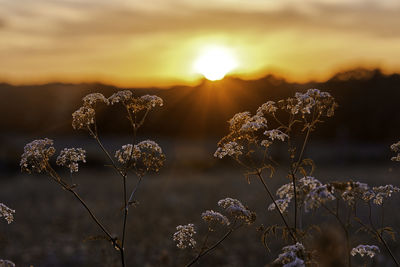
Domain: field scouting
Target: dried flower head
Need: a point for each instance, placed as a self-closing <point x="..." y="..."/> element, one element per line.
<point x="6" y="263"/>
<point x="93" y="99"/>
<point x="282" y="204"/>
<point x="121" y="96"/>
<point x="365" y="250"/>
<point x="184" y="236"/>
<point x="292" y="256"/>
<point x="83" y="117"/>
<point x="36" y="155"/>
<point x="276" y="134"/>
<point x="7" y="213"/>
<point x="267" y="108"/>
<point x="396" y="148"/>
<point x="237" y="210"/>
<point x="356" y="190"/>
<point x="254" y="123"/>
<point x="382" y="192"/>
<point x="69" y="158"/>
<point x="144" y="157"/>
<point x="213" y="216"/>
<point x="127" y="154"/>
<point x="232" y="149"/>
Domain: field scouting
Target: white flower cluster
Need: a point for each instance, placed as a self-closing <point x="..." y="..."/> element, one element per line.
<point x="276" y="134"/>
<point x="184" y="236"/>
<point x="120" y="96"/>
<point x="135" y="104"/>
<point x="310" y="190"/>
<point x="365" y="250"/>
<point x="7" y="213"/>
<point x="94" y="98"/>
<point x="254" y="123"/>
<point x="36" y="155"/>
<point x="266" y="108"/>
<point x="6" y="263"/>
<point x="127" y="153"/>
<point x="292" y="256"/>
<point x="303" y="103"/>
<point x="214" y="216"/>
<point x="83" y="117"/>
<point x="237" y="209"/>
<point x="232" y="149"/>
<point x="382" y="192"/>
<point x="69" y="158"/>
<point x="145" y="156"/>
<point x="396" y="148"/>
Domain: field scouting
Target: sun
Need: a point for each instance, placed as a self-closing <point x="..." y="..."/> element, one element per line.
<point x="215" y="62"/>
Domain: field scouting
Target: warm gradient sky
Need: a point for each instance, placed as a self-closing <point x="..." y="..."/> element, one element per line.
<point x="155" y="42"/>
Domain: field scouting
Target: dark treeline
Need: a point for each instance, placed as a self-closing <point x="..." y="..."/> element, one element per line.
<point x="368" y="106"/>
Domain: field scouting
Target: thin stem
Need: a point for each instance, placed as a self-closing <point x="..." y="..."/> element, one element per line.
<point x="66" y="187"/>
<point x="203" y="253"/>
<point x="134" y="190"/>
<point x="380" y="235"/>
<point x="292" y="235"/>
<point x="344" y="227"/>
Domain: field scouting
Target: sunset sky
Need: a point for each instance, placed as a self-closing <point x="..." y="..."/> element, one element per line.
<point x="156" y="42"/>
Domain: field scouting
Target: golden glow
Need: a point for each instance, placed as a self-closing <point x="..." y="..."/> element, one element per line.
<point x="215" y="62"/>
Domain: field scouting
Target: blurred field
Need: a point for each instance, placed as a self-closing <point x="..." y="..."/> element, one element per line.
<point x="50" y="226"/>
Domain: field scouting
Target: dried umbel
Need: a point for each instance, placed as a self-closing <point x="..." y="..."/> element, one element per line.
<point x="69" y="158"/>
<point x="276" y="134"/>
<point x="231" y="149"/>
<point x="309" y="190"/>
<point x="94" y="98"/>
<point x="83" y="118"/>
<point x="127" y="154"/>
<point x="382" y="192"/>
<point x="235" y="208"/>
<point x="396" y="148"/>
<point x="184" y="236"/>
<point x="7" y="213"/>
<point x="210" y="216"/>
<point x="365" y="250"/>
<point x="135" y="104"/>
<point x="6" y="263"/>
<point x="292" y="256"/>
<point x="37" y="153"/>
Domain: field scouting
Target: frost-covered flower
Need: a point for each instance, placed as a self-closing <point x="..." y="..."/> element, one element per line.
<point x="232" y="149"/>
<point x="147" y="156"/>
<point x="94" y="98"/>
<point x="282" y="204"/>
<point x="276" y="134"/>
<point x="292" y="256"/>
<point x="6" y="263"/>
<point x="213" y="216"/>
<point x="127" y="154"/>
<point x="268" y="107"/>
<point x="83" y="117"/>
<point x="382" y="192"/>
<point x="69" y="158"/>
<point x="184" y="236"/>
<point x="310" y="190"/>
<point x="7" y="213"/>
<point x="316" y="197"/>
<point x="152" y="101"/>
<point x="396" y="148"/>
<point x="120" y="96"/>
<point x="254" y="123"/>
<point x="365" y="250"/>
<point x="237" y="209"/>
<point x="36" y="155"/>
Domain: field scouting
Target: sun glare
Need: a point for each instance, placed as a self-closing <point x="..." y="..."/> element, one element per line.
<point x="215" y="62"/>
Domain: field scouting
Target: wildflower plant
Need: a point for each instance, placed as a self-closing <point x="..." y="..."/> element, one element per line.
<point x="138" y="158"/>
<point x="8" y="214"/>
<point x="292" y="121"/>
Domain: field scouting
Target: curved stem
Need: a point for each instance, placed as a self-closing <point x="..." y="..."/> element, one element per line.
<point x="210" y="248"/>
<point x="292" y="235"/>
